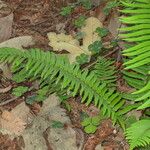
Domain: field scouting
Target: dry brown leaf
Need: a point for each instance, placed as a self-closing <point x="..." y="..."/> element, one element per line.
<point x="90" y="34"/>
<point x="6" y="27"/>
<point x="114" y="24"/>
<point x="11" y="123"/>
<point x="61" y="41"/>
<point x="14" y="122"/>
<point x="18" y="42"/>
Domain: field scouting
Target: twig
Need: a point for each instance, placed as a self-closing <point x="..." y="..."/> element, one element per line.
<point x="8" y="101"/>
<point x="4" y="90"/>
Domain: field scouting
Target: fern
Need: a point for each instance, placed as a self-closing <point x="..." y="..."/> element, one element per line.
<point x="139" y="31"/>
<point x="138" y="65"/>
<point x="48" y="66"/>
<point x="139" y="134"/>
<point x="139" y="55"/>
<point x="105" y="71"/>
<point x="137" y="77"/>
<point x="146" y="96"/>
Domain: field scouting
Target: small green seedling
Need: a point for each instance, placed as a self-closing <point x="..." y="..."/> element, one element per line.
<point x="31" y="99"/>
<point x="90" y="124"/>
<point x="63" y="99"/>
<point x="57" y="124"/>
<point x="42" y="94"/>
<point x="80" y="22"/>
<point x="102" y="32"/>
<point x="110" y="6"/>
<point x="65" y="11"/>
<point x="80" y="35"/>
<point x="82" y="59"/>
<point x="114" y="42"/>
<point x="130" y="120"/>
<point x="95" y="47"/>
<point x="20" y="90"/>
<point x="87" y="4"/>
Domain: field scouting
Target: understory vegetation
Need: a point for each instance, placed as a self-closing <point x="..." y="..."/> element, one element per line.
<point x="96" y="83"/>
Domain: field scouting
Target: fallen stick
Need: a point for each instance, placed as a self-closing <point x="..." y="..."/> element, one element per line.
<point x="8" y="101"/>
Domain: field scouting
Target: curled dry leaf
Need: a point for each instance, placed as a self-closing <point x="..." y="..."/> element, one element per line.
<point x="61" y="41"/>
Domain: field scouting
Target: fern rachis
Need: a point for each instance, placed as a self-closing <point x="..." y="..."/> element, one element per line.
<point x="48" y="66"/>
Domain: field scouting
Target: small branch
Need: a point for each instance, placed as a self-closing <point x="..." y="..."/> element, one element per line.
<point x="5" y="90"/>
<point x="8" y="101"/>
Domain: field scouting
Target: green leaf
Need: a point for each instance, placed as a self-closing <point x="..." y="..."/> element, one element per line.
<point x="18" y="78"/>
<point x="109" y="6"/>
<point x="67" y="106"/>
<point x="86" y="121"/>
<point x="83" y="115"/>
<point x="42" y="94"/>
<point x="82" y="59"/>
<point x="65" y="11"/>
<point x="130" y="120"/>
<point x="20" y="90"/>
<point x="54" y="70"/>
<point x="40" y="98"/>
<point x="114" y="42"/>
<point x="80" y="35"/>
<point x="63" y="98"/>
<point x="96" y="120"/>
<point x="139" y="134"/>
<point x="145" y="105"/>
<point x="57" y="124"/>
<point x="102" y="31"/>
<point x="86" y="3"/>
<point x="95" y="47"/>
<point x="80" y="22"/>
<point x="31" y="99"/>
<point x="90" y="129"/>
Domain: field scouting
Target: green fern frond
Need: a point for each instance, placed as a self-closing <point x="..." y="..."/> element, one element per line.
<point x="139" y="55"/>
<point x="48" y="66"/>
<point x="105" y="71"/>
<point x="145" y="105"/>
<point x="137" y="77"/>
<point x="139" y="134"/>
<point x="138" y="65"/>
<point x="137" y="33"/>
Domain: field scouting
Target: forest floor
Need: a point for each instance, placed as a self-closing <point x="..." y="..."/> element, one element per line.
<point x="34" y="20"/>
